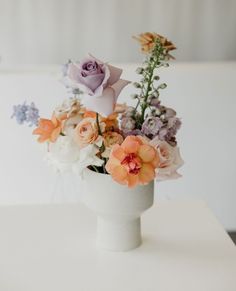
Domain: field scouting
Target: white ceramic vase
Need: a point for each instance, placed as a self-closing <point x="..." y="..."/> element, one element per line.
<point x="118" y="209"/>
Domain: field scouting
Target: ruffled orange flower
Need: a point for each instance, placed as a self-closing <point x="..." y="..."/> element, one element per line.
<point x="133" y="162"/>
<point x="48" y="130"/>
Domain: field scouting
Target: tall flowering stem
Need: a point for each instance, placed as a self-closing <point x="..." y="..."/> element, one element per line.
<point x="148" y="90"/>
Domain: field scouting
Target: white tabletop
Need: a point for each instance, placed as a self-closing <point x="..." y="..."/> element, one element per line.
<point x="52" y="247"/>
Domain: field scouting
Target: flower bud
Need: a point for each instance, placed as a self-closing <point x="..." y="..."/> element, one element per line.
<point x="162" y="86"/>
<point x="134" y="96"/>
<point x="139" y="70"/>
<point x="165" y="65"/>
<point x="136" y="85"/>
<point x="156" y="78"/>
<point x="156" y="94"/>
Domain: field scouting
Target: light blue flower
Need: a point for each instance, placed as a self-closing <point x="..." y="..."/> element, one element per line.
<point x="32" y="115"/>
<point x="26" y="114"/>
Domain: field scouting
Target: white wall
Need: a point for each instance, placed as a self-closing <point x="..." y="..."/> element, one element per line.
<point x="204" y="96"/>
<point x="51" y="31"/>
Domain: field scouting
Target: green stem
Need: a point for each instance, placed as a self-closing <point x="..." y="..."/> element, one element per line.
<point x="98" y="125"/>
<point x="102" y="148"/>
<point x="149" y="84"/>
<point x="96" y="170"/>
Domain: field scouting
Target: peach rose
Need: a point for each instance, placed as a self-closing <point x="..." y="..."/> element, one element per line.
<point x="86" y="132"/>
<point x="133" y="162"/>
<point x="111" y="138"/>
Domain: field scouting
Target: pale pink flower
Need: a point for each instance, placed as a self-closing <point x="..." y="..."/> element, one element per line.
<point x="170" y="160"/>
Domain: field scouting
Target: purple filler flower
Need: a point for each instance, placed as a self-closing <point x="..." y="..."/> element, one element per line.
<point x="155" y="103"/>
<point x="174" y="123"/>
<point x="26" y="114"/>
<point x="168" y="132"/>
<point x="133" y="132"/>
<point x="151" y="126"/>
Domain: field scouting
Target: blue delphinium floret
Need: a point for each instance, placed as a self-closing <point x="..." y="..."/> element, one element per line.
<point x="32" y="115"/>
<point x="26" y="114"/>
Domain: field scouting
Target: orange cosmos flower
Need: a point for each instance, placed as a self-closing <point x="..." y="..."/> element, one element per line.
<point x="147" y="42"/>
<point x="48" y="130"/>
<point x="133" y="162"/>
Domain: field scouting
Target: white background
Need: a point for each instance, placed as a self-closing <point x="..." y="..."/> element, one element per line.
<point x="36" y="32"/>
<point x="51" y="31"/>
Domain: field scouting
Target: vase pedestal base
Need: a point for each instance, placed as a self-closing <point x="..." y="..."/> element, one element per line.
<point x="118" y="234"/>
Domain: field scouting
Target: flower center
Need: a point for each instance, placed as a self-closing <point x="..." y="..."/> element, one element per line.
<point x="132" y="163"/>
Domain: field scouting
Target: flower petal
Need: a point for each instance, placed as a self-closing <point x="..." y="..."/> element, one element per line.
<point x="118" y="152"/>
<point x="104" y="104"/>
<point x="130" y="144"/>
<point x="92" y="81"/>
<point x="147" y="153"/>
<point x="115" y="74"/>
<point x="42" y="138"/>
<point x="73" y="71"/>
<point x="119" y="174"/>
<point x="118" y="86"/>
<point x="132" y="180"/>
<point x="55" y="134"/>
<point x="146" y="174"/>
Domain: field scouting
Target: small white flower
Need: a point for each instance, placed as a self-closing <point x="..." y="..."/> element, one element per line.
<point x="63" y="154"/>
<point x="88" y="157"/>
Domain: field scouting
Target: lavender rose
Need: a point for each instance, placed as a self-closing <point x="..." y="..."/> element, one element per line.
<point x="100" y="82"/>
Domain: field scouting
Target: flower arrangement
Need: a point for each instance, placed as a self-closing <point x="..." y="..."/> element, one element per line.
<point x="134" y="144"/>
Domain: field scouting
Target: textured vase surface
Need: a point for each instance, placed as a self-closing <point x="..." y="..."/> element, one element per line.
<point x="118" y="209"/>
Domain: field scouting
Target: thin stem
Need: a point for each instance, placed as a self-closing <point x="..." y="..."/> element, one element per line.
<point x="98" y="125"/>
<point x="95" y="168"/>
<point x="102" y="148"/>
